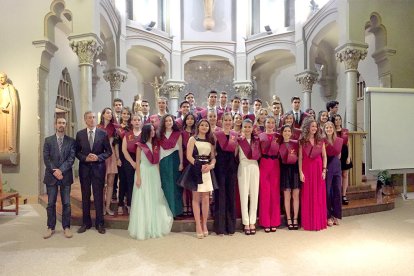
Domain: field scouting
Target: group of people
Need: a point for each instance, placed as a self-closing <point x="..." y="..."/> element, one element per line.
<point x="229" y="157"/>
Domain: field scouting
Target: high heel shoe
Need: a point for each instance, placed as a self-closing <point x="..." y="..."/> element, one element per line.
<point x="247" y="231"/>
<point x="330" y="222"/>
<point x="345" y="200"/>
<point x="295" y="225"/>
<point x="205" y="233"/>
<point x="200" y="236"/>
<point x="290" y="225"/>
<point x="336" y="221"/>
<point x="109" y="212"/>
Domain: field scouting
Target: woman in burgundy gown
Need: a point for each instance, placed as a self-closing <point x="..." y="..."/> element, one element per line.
<point x="312" y="172"/>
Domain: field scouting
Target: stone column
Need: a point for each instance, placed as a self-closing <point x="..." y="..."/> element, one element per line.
<point x="351" y="54"/>
<point x="244" y="89"/>
<point x="86" y="47"/>
<point x="307" y="79"/>
<point x="115" y="77"/>
<point x="173" y="88"/>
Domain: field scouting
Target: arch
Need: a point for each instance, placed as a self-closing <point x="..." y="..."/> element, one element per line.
<point x="65" y="107"/>
<point x="58" y="16"/>
<point x="219" y="52"/>
<point x="382" y="53"/>
<point x="269" y="46"/>
<point x="375" y="26"/>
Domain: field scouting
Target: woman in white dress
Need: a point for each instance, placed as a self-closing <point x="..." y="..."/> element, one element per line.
<point x="199" y="176"/>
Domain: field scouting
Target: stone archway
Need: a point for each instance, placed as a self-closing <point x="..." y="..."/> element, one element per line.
<point x="381" y="53"/>
<point x="65" y="103"/>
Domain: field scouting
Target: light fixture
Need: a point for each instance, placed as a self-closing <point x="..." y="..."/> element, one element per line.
<point x="150" y="26"/>
<point x="268" y="29"/>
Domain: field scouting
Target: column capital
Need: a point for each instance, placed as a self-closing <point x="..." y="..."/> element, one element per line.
<point x="86" y="46"/>
<point x="174" y="87"/>
<point x="243" y="88"/>
<point x="351" y="53"/>
<point x="115" y="77"/>
<point x="307" y="79"/>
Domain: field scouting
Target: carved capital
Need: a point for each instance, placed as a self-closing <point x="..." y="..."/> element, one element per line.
<point x="115" y="77"/>
<point x="351" y="56"/>
<point x="307" y="79"/>
<point x="243" y="89"/>
<point x="86" y="50"/>
<point x="174" y="88"/>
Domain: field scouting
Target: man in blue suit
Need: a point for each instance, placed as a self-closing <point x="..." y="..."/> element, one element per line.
<point x="92" y="149"/>
<point x="58" y="156"/>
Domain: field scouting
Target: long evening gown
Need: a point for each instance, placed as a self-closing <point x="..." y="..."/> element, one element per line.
<point x="150" y="215"/>
<point x="313" y="200"/>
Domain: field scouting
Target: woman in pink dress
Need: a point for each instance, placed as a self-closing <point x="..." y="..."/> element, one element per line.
<point x="269" y="187"/>
<point x="312" y="172"/>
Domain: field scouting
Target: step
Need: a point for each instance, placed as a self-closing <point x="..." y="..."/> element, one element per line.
<point x="360" y="194"/>
<point x="355" y="207"/>
<point x="367" y="206"/>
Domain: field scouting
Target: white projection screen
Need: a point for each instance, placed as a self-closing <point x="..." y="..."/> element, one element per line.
<point x="389" y="121"/>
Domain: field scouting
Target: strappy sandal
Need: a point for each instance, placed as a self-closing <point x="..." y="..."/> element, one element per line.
<point x="290" y="225"/>
<point x="295" y="225"/>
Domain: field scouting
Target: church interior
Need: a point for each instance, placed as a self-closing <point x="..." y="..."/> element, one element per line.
<point x="65" y="57"/>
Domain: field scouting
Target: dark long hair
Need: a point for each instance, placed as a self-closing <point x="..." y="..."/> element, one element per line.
<point x="102" y="120"/>
<point x="209" y="135"/>
<point x="161" y="128"/>
<point x="146" y="133"/>
<point x="185" y="122"/>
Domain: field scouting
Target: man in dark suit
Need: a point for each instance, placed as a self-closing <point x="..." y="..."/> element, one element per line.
<point x="145" y="108"/>
<point x="92" y="149"/>
<point x="58" y="156"/>
<point x="298" y="115"/>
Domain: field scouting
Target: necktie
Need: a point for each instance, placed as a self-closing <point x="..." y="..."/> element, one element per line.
<point x="60" y="143"/>
<point x="297" y="118"/>
<point x="90" y="138"/>
<point x="145" y="119"/>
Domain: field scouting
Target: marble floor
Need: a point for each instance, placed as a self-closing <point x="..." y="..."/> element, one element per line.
<point x="373" y="244"/>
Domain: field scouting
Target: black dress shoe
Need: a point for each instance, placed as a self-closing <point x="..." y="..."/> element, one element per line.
<point x="101" y="229"/>
<point x="83" y="228"/>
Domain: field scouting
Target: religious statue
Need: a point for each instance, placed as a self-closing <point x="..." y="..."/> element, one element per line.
<point x="136" y="106"/>
<point x="208" y="22"/>
<point x="8" y="116"/>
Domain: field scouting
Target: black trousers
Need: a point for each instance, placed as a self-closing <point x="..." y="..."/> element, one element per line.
<point x="225" y="202"/>
<point x="129" y="178"/>
<point x="87" y="182"/>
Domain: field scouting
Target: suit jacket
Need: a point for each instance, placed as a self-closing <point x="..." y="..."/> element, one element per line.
<point x="63" y="161"/>
<point x="302" y="117"/>
<point x="101" y="148"/>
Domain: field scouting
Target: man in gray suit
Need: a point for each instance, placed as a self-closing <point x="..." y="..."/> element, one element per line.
<point x="58" y="155"/>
